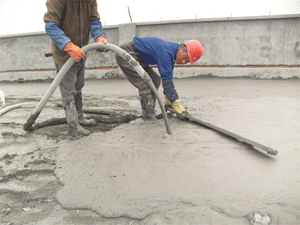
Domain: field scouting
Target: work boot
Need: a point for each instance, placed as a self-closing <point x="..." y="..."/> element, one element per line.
<point x="86" y="122"/>
<point x="72" y="119"/>
<point x="81" y="119"/>
<point x="148" y="106"/>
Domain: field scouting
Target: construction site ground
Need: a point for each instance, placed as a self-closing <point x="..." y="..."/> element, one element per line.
<point x="130" y="171"/>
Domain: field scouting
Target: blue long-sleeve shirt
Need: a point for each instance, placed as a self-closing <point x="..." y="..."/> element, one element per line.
<point x="156" y="51"/>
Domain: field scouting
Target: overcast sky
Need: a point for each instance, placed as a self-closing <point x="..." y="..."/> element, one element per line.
<point x="23" y="16"/>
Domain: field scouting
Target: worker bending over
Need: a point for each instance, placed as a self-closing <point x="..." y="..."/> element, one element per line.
<point x="155" y="51"/>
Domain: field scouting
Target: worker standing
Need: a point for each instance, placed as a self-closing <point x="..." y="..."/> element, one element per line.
<point x="155" y="51"/>
<point x="68" y="24"/>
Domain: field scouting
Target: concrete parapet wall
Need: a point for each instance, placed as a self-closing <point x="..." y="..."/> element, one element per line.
<point x="180" y="72"/>
<point x="233" y="72"/>
<point x="272" y="42"/>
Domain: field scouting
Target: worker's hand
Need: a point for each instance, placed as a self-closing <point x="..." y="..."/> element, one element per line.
<point x="178" y="107"/>
<point x="101" y="38"/>
<point x="181" y="113"/>
<point x="74" y="51"/>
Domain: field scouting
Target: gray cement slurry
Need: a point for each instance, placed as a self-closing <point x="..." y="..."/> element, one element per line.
<point x="138" y="171"/>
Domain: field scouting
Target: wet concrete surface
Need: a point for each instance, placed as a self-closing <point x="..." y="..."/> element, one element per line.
<point x="231" y="183"/>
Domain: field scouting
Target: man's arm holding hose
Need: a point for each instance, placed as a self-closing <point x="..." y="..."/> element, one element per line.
<point x="63" y="42"/>
<point x="97" y="32"/>
<point x="52" y="20"/>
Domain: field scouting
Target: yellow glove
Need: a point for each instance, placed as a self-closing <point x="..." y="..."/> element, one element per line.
<point x="180" y="111"/>
<point x="178" y="107"/>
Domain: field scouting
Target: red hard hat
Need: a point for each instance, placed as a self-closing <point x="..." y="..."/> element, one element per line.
<point x="195" y="50"/>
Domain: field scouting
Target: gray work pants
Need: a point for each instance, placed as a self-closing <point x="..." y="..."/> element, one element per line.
<point x="132" y="75"/>
<point x="72" y="82"/>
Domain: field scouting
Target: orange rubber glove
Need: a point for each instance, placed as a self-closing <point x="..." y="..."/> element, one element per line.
<point x="74" y="51"/>
<point x="101" y="38"/>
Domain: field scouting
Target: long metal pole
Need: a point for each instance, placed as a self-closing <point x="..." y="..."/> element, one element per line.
<point x="239" y="138"/>
<point x="129" y="14"/>
<point x="255" y="144"/>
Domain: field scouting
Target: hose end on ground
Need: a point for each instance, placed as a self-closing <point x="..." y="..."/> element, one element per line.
<point x="271" y="151"/>
<point x="28" y="125"/>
